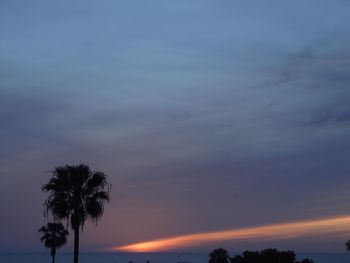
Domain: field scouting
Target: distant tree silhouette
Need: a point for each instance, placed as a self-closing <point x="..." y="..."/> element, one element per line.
<point x="347" y="244"/>
<point x="54" y="236"/>
<point x="247" y="257"/>
<point x="76" y="194"/>
<point x="238" y="259"/>
<point x="267" y="256"/>
<point x="306" y="260"/>
<point x="273" y="255"/>
<point x="219" y="255"/>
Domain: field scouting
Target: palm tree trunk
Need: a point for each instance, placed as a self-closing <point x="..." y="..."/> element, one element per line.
<point x="53" y="254"/>
<point x="76" y="245"/>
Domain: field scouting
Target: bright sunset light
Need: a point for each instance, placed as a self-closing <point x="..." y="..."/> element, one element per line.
<point x="290" y="230"/>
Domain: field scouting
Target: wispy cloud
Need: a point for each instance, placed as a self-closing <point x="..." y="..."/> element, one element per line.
<point x="309" y="228"/>
<point x="185" y="104"/>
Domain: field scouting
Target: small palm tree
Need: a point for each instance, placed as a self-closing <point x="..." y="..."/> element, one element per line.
<point x="76" y="194"/>
<point x="54" y="236"/>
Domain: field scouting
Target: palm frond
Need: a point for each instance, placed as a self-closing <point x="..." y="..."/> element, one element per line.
<point x="76" y="193"/>
<point x="54" y="235"/>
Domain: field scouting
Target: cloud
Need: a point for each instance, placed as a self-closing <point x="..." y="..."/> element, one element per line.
<point x="191" y="104"/>
<point x="311" y="228"/>
<point x="330" y="117"/>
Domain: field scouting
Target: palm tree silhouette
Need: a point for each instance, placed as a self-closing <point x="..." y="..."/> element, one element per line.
<point x="76" y="194"/>
<point x="54" y="236"/>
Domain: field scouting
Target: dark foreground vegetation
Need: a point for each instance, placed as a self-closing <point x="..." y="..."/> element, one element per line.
<point x="54" y="236"/>
<point x="265" y="256"/>
<point x="75" y="194"/>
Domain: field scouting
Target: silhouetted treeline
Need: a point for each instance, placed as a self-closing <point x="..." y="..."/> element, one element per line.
<point x="265" y="256"/>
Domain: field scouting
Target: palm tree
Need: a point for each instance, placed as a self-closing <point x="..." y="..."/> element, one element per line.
<point x="54" y="236"/>
<point x="76" y="194"/>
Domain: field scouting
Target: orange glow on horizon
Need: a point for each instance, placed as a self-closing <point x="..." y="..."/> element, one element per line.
<point x="309" y="228"/>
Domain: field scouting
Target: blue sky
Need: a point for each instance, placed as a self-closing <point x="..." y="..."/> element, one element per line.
<point x="206" y="115"/>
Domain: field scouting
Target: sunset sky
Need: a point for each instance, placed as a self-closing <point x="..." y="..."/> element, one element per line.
<point x="210" y="118"/>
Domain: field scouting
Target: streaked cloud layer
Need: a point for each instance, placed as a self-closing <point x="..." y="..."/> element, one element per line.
<point x="206" y="115"/>
<point x="321" y="227"/>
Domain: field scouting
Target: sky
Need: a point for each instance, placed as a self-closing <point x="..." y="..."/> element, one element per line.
<point x="207" y="116"/>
